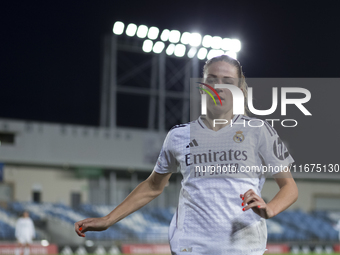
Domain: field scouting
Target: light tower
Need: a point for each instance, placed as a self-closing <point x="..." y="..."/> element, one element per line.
<point x="169" y="80"/>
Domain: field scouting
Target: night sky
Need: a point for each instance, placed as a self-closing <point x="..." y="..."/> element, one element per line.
<point x="51" y="50"/>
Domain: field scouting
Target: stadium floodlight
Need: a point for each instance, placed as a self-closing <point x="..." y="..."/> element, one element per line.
<point x="214" y="53"/>
<point x="231" y="54"/>
<point x="226" y="44"/>
<point x="192" y="52"/>
<point x="195" y="39"/>
<point x="153" y="33"/>
<point x="179" y="41"/>
<point x="170" y="50"/>
<point x="202" y="53"/>
<point x="147" y="45"/>
<point x="174" y="36"/>
<point x="185" y="39"/>
<point x="180" y="50"/>
<point x="207" y="39"/>
<point x="142" y="31"/>
<point x="131" y="29"/>
<point x="235" y="45"/>
<point x="165" y="35"/>
<point x="216" y="42"/>
<point x="118" y="28"/>
<point x="158" y="47"/>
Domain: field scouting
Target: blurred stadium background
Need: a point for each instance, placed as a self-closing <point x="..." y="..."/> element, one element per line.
<point x="64" y="173"/>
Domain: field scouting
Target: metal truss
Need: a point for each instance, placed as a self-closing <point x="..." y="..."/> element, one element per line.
<point x="164" y="79"/>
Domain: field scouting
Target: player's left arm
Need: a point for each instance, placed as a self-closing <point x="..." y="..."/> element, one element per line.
<point x="286" y="196"/>
<point x="34" y="234"/>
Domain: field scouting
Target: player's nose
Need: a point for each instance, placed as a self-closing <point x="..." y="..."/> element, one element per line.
<point x="218" y="90"/>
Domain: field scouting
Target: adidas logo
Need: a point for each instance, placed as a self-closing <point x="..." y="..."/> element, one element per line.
<point x="192" y="144"/>
<point x="189" y="249"/>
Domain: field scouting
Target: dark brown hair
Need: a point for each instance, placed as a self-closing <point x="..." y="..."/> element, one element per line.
<point x="242" y="79"/>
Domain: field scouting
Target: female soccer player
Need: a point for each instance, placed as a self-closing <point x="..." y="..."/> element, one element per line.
<point x="24" y="232"/>
<point x="220" y="208"/>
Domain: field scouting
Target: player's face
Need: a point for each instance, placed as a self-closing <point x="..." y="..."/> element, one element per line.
<point x="26" y="215"/>
<point x="220" y="72"/>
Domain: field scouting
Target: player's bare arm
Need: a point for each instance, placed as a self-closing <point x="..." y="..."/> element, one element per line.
<point x="144" y="193"/>
<point x="286" y="196"/>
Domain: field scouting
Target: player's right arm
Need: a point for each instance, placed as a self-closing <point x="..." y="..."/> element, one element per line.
<point x="34" y="235"/>
<point x="144" y="193"/>
<point x="17" y="228"/>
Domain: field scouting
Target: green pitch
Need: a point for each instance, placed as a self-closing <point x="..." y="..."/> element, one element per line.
<point x="265" y="254"/>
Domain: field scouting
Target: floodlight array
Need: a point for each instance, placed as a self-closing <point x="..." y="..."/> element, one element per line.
<point x="180" y="45"/>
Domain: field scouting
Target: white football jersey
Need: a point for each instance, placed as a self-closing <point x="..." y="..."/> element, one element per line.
<point x="216" y="169"/>
<point x="24" y="228"/>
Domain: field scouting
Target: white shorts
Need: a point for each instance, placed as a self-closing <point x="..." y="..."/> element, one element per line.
<point x="248" y="240"/>
<point x="23" y="239"/>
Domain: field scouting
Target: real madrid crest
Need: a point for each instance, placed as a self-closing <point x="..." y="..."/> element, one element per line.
<point x="238" y="137"/>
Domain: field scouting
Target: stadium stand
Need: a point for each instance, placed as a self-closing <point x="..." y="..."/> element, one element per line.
<point x="141" y="226"/>
<point x="150" y="225"/>
<point x="8" y="219"/>
<point x="7" y="225"/>
<point x="302" y="226"/>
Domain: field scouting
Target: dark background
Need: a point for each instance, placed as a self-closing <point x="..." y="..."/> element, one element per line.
<point x="51" y="50"/>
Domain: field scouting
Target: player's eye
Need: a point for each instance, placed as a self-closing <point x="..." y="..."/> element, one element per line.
<point x="228" y="81"/>
<point x="211" y="81"/>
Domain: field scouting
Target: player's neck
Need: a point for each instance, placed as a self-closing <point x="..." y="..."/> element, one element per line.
<point x="210" y="117"/>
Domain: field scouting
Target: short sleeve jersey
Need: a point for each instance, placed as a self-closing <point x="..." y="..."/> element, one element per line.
<point x="218" y="166"/>
<point x="24" y="228"/>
